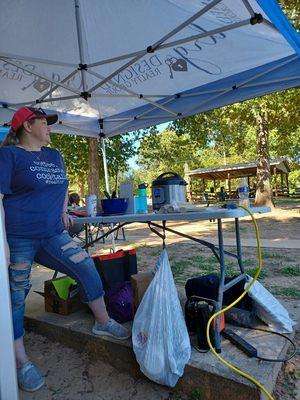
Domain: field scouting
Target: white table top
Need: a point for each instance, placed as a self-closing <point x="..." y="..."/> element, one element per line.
<point x="204" y="213"/>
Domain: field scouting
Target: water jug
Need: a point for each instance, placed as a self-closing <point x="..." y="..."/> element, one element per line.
<point x="142" y="198"/>
<point x="142" y="189"/>
<point x="91" y="205"/>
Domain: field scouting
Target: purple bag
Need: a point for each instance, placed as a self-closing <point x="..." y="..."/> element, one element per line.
<point x="119" y="302"/>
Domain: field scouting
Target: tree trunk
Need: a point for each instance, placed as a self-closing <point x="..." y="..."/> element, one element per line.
<point x="93" y="175"/>
<point x="263" y="196"/>
<point x="81" y="189"/>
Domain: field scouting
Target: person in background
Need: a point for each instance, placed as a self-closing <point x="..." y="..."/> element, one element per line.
<point x="74" y="200"/>
<point x="34" y="188"/>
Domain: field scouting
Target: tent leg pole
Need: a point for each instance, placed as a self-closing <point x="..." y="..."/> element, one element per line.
<point x="8" y="377"/>
<point x="103" y="148"/>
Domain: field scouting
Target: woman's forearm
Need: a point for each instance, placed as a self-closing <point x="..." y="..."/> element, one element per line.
<point x="65" y="206"/>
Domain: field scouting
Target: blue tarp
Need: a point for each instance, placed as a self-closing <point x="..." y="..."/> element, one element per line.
<point x="3" y="133"/>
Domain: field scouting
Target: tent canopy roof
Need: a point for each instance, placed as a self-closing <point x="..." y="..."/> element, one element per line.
<point x="119" y="66"/>
<point x="237" y="170"/>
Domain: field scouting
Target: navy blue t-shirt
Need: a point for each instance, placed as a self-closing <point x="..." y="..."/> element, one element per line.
<point x="34" y="186"/>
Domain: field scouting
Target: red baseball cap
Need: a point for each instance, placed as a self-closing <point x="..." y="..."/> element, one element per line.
<point x="27" y="113"/>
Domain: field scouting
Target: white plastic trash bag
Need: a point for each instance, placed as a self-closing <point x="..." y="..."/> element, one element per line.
<point x="159" y="335"/>
<point x="268" y="308"/>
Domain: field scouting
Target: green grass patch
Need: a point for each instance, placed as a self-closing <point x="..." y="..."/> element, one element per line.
<point x="196" y="394"/>
<point x="249" y="263"/>
<point x="251" y="271"/>
<point x="199" y="259"/>
<point x="278" y="255"/>
<point x="155" y="252"/>
<point x="175" y="396"/>
<point x="291" y="270"/>
<point x="287" y="200"/>
<point x="178" y="267"/>
<point x="204" y="264"/>
<point x="290" y="292"/>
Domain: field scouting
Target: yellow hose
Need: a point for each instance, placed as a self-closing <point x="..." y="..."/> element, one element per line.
<point x="232" y="367"/>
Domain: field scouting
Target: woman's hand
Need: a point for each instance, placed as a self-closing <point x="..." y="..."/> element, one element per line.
<point x="67" y="221"/>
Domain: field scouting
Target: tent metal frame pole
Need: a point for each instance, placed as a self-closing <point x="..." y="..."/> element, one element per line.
<point x="140" y="116"/>
<point x="229" y="27"/>
<point x="220" y="92"/>
<point x="142" y="97"/>
<point x="152" y="48"/>
<point x="57" y="86"/>
<point x="248" y="7"/>
<point x="290" y="78"/>
<point x="270" y="25"/>
<point x="40" y="100"/>
<point x="82" y="55"/>
<point x="103" y="149"/>
<point x="52" y="99"/>
<point x="8" y="378"/>
<point x="205" y="34"/>
<point x="40" y="76"/>
<point x="283" y="80"/>
<point x="117" y="85"/>
<point x="60" y="98"/>
<point x="243" y="83"/>
<point x="128" y="119"/>
<point x="191" y="38"/>
<point x="145" y="96"/>
<point x="157" y="44"/>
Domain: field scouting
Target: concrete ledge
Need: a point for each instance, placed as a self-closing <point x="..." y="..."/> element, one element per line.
<point x="213" y="379"/>
<point x="119" y="354"/>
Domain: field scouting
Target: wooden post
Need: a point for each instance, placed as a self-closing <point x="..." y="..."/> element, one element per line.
<point x="287" y="184"/>
<point x="229" y="184"/>
<point x="275" y="181"/>
<point x="188" y="179"/>
<point x="93" y="176"/>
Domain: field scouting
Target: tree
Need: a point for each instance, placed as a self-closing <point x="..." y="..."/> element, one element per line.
<point x="164" y="151"/>
<point x="119" y="150"/>
<point x="234" y="127"/>
<point x="75" y="152"/>
<point x="81" y="162"/>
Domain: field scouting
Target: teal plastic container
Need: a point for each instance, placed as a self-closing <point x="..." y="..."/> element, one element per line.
<point x="142" y="189"/>
<point x="142" y="199"/>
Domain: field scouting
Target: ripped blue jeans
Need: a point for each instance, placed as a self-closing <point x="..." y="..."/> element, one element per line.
<point x="60" y="253"/>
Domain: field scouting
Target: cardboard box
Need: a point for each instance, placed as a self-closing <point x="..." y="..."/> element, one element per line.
<point x="140" y="283"/>
<point x="53" y="303"/>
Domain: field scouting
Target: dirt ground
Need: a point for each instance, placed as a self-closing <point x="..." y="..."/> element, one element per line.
<point x="71" y="375"/>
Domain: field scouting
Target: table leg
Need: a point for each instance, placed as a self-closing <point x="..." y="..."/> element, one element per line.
<point x="221" y="286"/>
<point x="238" y="245"/>
<point x="86" y="232"/>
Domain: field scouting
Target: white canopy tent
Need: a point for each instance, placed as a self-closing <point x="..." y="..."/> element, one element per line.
<point x="135" y="64"/>
<point x="114" y="66"/>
